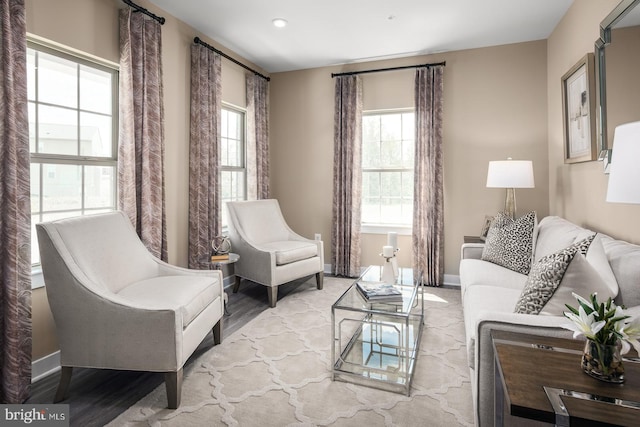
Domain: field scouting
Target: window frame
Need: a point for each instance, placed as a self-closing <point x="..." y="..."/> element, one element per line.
<point x="82" y="161"/>
<point x="384" y="228"/>
<point x="244" y="169"/>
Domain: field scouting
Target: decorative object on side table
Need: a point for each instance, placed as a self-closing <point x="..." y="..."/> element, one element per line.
<point x="221" y="245"/>
<point x="510" y="174"/>
<point x="610" y="332"/>
<point x="578" y="110"/>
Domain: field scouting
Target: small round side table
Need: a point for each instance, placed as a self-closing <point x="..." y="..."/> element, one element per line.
<point x="216" y="264"/>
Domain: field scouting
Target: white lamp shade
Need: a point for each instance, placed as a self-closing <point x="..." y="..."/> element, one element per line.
<point x="510" y="174"/>
<point x="624" y="175"/>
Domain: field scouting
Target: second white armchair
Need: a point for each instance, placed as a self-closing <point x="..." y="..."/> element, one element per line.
<point x="271" y="254"/>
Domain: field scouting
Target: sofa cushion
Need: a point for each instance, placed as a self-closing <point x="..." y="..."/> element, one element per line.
<point x="554" y="277"/>
<point x="480" y="301"/>
<point x="475" y="272"/>
<point x="188" y="295"/>
<point x="510" y="242"/>
<point x="597" y="258"/>
<point x="554" y="234"/>
<point x="624" y="259"/>
<point x="289" y="251"/>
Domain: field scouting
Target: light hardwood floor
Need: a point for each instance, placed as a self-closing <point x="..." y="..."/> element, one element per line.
<point x="97" y="396"/>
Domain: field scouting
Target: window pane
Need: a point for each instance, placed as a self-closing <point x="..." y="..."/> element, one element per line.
<point x="31" y="74"/>
<point x="57" y="130"/>
<point x="232" y="185"/>
<point x="99" y="184"/>
<point x="35" y="187"/>
<point x="232" y="130"/>
<point x="57" y="80"/>
<point x="95" y="135"/>
<point x="390" y="127"/>
<point x="95" y="90"/>
<point x="233" y="188"/>
<point x="224" y="118"/>
<point x="32" y="127"/>
<point x="232" y="153"/>
<point x="61" y="187"/>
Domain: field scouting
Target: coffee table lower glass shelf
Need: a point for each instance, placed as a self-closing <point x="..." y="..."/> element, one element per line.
<point x="376" y="343"/>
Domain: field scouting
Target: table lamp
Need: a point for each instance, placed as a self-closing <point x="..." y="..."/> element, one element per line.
<point x="510" y="174"/>
<point x="624" y="176"/>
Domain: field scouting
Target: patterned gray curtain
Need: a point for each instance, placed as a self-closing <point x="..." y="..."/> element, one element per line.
<point x="258" y="134"/>
<point x="15" y="208"/>
<point x="347" y="177"/>
<point x="428" y="216"/>
<point x="204" y="154"/>
<point x="141" y="146"/>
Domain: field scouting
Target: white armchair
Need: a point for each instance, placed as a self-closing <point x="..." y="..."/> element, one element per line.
<point x="271" y="254"/>
<point x="116" y="306"/>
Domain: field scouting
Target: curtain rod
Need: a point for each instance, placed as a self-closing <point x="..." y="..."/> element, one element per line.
<point x="160" y="19"/>
<point x="197" y="40"/>
<point x="351" y="73"/>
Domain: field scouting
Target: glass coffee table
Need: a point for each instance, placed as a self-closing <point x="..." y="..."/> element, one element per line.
<point x="376" y="343"/>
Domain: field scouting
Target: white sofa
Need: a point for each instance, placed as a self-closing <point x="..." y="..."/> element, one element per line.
<point x="490" y="293"/>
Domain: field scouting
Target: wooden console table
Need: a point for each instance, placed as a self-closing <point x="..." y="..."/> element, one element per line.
<point x="540" y="378"/>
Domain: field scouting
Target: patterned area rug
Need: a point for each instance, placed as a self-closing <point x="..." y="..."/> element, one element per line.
<point x="275" y="371"/>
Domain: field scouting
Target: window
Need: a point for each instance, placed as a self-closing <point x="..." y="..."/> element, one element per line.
<point x="234" y="172"/>
<point x="387" y="168"/>
<point x="73" y="111"/>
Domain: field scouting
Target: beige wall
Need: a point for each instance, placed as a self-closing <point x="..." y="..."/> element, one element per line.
<point x="91" y="26"/>
<point x="577" y="191"/>
<point x="499" y="101"/>
<point x="494" y="107"/>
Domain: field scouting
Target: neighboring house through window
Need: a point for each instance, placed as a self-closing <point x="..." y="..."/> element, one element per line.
<point x="73" y="113"/>
<point x="233" y="158"/>
<point x="387" y="170"/>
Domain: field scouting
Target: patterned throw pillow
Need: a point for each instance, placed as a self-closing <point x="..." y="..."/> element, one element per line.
<point x="510" y="243"/>
<point x="547" y="275"/>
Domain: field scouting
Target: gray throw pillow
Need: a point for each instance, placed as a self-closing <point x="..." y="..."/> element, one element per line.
<point x="510" y="243"/>
<point x="546" y="276"/>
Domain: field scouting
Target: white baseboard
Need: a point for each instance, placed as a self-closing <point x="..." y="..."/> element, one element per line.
<point x="45" y="366"/>
<point x="452" y="280"/>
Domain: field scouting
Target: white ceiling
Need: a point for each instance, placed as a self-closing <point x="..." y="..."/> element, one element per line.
<point x="330" y="32"/>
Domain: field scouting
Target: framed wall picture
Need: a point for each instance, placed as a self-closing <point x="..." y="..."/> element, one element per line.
<point x="578" y="109"/>
<point x="485" y="226"/>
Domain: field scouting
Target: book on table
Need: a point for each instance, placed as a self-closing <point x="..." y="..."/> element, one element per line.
<point x="379" y="291"/>
<point x="220" y="257"/>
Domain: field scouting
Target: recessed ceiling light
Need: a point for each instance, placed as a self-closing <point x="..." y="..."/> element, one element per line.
<point x="280" y="22"/>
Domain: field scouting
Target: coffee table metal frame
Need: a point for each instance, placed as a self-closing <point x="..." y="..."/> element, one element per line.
<point x="376" y="343"/>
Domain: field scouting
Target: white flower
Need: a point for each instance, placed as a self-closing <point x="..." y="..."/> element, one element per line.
<point x="630" y="333"/>
<point x="583" y="323"/>
<point x="583" y="300"/>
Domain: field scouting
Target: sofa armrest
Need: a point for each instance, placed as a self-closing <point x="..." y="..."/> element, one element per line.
<point x="471" y="250"/>
<point x="548" y="326"/>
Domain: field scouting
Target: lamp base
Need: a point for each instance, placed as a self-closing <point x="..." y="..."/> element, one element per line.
<point x="510" y="203"/>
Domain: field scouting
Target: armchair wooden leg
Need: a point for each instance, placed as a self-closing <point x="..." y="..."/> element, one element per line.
<point x="273" y="295"/>
<point x="173" y="384"/>
<point x="236" y="284"/>
<point x="63" y="385"/>
<point x="217" y="332"/>
<point x="320" y="279"/>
